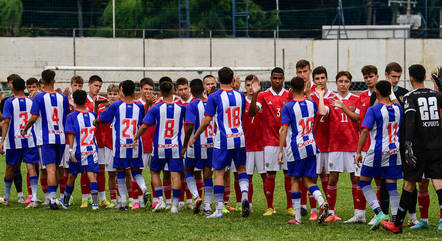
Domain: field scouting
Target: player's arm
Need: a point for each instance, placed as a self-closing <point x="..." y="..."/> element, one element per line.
<point x="410" y="123"/>
<point x="322" y="110"/>
<point x="188" y="133"/>
<point x="340" y="104"/>
<point x="362" y="139"/>
<point x="140" y="132"/>
<point x="5" y="128"/>
<point x="31" y="122"/>
<point x="204" y="124"/>
<point x="282" y="136"/>
<point x="254" y="108"/>
<point x="71" y="137"/>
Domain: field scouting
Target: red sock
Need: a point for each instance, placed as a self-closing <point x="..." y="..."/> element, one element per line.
<point x="237" y="190"/>
<point x="62" y="185"/>
<point x="378" y="193"/>
<point x="134" y="186"/>
<point x="250" y="191"/>
<point x="113" y="194"/>
<point x="153" y="190"/>
<point x="312" y="200"/>
<point x="44" y="184"/>
<point x="200" y="185"/>
<point x="116" y="184"/>
<point x="331" y="196"/>
<point x="101" y="179"/>
<point x="85" y="184"/>
<point x="440" y="214"/>
<point x="303" y="192"/>
<point x="28" y="183"/>
<point x="424" y="203"/>
<point x="324" y="182"/>
<point x="288" y="193"/>
<point x="226" y="197"/>
<point x="188" y="193"/>
<point x="130" y="191"/>
<point x="167" y="186"/>
<point x="354" y="193"/>
<point x="269" y="189"/>
<point x="362" y="202"/>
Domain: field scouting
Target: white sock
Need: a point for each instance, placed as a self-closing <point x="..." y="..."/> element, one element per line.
<point x="123" y="190"/>
<point x="84" y="197"/>
<point x="140" y="181"/>
<point x="168" y="201"/>
<point x="191" y="184"/>
<point x="412" y="216"/>
<point x="318" y="197"/>
<point x="102" y="196"/>
<point x="20" y="194"/>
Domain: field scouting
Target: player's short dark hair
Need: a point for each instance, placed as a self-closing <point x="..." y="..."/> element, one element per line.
<point x="182" y="81"/>
<point x="127" y="87"/>
<point x="393" y="66"/>
<point x="48" y="76"/>
<point x="79" y="97"/>
<point x="11" y="77"/>
<point x="164" y="79"/>
<point x="250" y="77"/>
<point x="277" y="70"/>
<point x="369" y="69"/>
<point x="302" y="63"/>
<point x="18" y="84"/>
<point x="146" y="81"/>
<point x="77" y="79"/>
<point x="94" y="78"/>
<point x="384" y="88"/>
<point x="343" y="73"/>
<point x="208" y="76"/>
<point x="417" y="71"/>
<point x="297" y="84"/>
<point x="225" y="75"/>
<point x="31" y="81"/>
<point x="319" y="70"/>
<point x="196" y="87"/>
<point x="166" y="88"/>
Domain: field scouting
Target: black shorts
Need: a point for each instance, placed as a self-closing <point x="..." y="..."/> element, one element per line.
<point x="428" y="164"/>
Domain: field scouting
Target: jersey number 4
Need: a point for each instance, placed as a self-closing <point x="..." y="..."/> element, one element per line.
<point x="428" y="108"/>
<point x="55" y="118"/>
<point x="392" y="132"/>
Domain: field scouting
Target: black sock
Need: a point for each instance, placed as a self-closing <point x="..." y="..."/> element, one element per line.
<point x="385" y="198"/>
<point x="403" y="207"/>
<point x="439" y="196"/>
<point x="413" y="202"/>
<point x="18" y="180"/>
<point x="66" y="198"/>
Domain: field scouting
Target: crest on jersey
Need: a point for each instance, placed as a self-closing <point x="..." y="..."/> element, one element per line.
<point x="401" y="98"/>
<point x="352" y="108"/>
<point x="270" y="102"/>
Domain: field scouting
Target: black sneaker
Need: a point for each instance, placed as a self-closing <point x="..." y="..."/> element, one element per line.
<point x="124" y="208"/>
<point x="304" y="211"/>
<point x="53" y="205"/>
<point x="245" y="208"/>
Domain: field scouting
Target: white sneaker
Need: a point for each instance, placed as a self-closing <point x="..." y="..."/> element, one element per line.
<point x="174" y="209"/>
<point x="160" y="206"/>
<point x="46" y="202"/>
<point x="142" y="205"/>
<point x="356" y="219"/>
<point x="168" y="206"/>
<point x="216" y="214"/>
<point x="412" y="222"/>
<point x="372" y="221"/>
<point x="181" y="206"/>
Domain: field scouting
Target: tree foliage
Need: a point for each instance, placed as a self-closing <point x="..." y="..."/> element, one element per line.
<point x="10" y="15"/>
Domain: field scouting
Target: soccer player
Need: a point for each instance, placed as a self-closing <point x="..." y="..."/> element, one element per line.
<point x="200" y="155"/>
<point x="297" y="123"/>
<point x="126" y="116"/>
<point x="343" y="140"/>
<point x="82" y="148"/>
<point x="423" y="123"/>
<point x="382" y="159"/>
<point x="321" y="129"/>
<point x="209" y="83"/>
<point x="16" y="113"/>
<point x="226" y="106"/>
<point x="270" y="102"/>
<point x="169" y="120"/>
<point x="49" y="111"/>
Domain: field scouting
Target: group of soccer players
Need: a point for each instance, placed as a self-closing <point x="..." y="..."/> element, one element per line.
<point x="384" y="133"/>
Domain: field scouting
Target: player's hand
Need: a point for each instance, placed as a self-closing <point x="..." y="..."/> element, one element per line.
<point x="191" y="142"/>
<point x="337" y="103"/>
<point x="95" y="123"/>
<point x="71" y="153"/>
<point x="410" y="158"/>
<point x="134" y="144"/>
<point x="67" y="92"/>
<point x="358" y="159"/>
<point x="320" y="90"/>
<point x="307" y="88"/>
<point x="237" y="83"/>
<point x="58" y="90"/>
<point x="256" y="86"/>
<point x="100" y="101"/>
<point x="23" y="133"/>
<point x="152" y="99"/>
<point x="280" y="161"/>
<point x="2" y="151"/>
<point x="183" y="151"/>
<point x="435" y="75"/>
<point x="71" y="101"/>
<point x="33" y="94"/>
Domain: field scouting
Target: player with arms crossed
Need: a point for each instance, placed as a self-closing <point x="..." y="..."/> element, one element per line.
<point x="226" y="105"/>
<point x="383" y="159"/>
<point x="126" y="116"/>
<point x="297" y="123"/>
<point x="16" y="113"/>
<point x="423" y="143"/>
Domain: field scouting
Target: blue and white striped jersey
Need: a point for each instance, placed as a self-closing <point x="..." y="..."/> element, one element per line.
<point x="194" y="115"/>
<point x="18" y="110"/>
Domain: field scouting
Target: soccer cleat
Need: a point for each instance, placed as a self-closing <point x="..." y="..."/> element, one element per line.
<point x="230" y="208"/>
<point x="104" y="203"/>
<point x="135" y="206"/>
<point x="356" y="219"/>
<point x="216" y="214"/>
<point x="53" y="205"/>
<point x="197" y="205"/>
<point x="142" y="204"/>
<point x="323" y="213"/>
<point x="160" y="206"/>
<point x="331" y="218"/>
<point x="189" y="205"/>
<point x="174" y="209"/>
<point x="313" y="216"/>
<point x="95" y="206"/>
<point x="4" y="202"/>
<point x="112" y="204"/>
<point x="294" y="221"/>
<point x="269" y="212"/>
<point x="225" y="210"/>
<point x="124" y="208"/>
<point x="304" y="211"/>
<point x="379" y="218"/>
<point x="206" y="212"/>
<point x="372" y="221"/>
<point x="412" y="222"/>
<point x="28" y="200"/>
<point x="238" y="207"/>
<point x="420" y="225"/>
<point x="89" y="200"/>
<point x="439" y="229"/>
<point x="245" y="211"/>
<point x="84" y="204"/>
<point x="389" y="226"/>
<point x="46" y="202"/>
<point x="32" y="205"/>
<point x="290" y="211"/>
<point x="118" y="206"/>
<point x="181" y="206"/>
<point x="169" y="206"/>
<point x="21" y="199"/>
<point x="62" y="204"/>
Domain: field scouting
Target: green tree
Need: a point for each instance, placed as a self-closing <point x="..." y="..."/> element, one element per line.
<point x="10" y="15"/>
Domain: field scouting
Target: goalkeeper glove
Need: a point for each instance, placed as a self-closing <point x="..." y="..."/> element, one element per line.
<point x="410" y="158"/>
<point x="437" y="78"/>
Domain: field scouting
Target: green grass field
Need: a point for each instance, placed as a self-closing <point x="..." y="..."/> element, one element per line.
<point x="74" y="224"/>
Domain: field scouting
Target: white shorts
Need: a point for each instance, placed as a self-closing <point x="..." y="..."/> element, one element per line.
<point x="109" y="159"/>
<point x="146" y="160"/>
<point x="66" y="156"/>
<point x="271" y="159"/>
<point x="101" y="156"/>
<point x="340" y="161"/>
<point x="322" y="163"/>
<point x="255" y="159"/>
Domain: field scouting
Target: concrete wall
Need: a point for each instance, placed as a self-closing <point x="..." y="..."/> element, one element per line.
<point x="28" y="56"/>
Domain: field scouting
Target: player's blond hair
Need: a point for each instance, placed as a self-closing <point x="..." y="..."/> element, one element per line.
<point x="113" y="88"/>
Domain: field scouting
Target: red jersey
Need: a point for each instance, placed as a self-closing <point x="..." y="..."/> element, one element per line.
<point x="344" y="131"/>
<point x="147" y="137"/>
<point x="321" y="126"/>
<point x="90" y="102"/>
<point x="185" y="103"/>
<point x="103" y="132"/>
<point x="271" y="105"/>
<point x="252" y="129"/>
<point x="98" y="133"/>
<point x="176" y="99"/>
<point x="364" y="104"/>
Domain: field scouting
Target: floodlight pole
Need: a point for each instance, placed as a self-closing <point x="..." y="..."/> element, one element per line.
<point x="277" y="15"/>
<point x="113" y="18"/>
